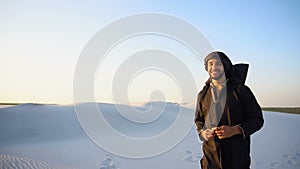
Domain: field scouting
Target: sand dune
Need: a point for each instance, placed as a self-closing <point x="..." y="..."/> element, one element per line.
<point x="17" y="162"/>
<point x="50" y="136"/>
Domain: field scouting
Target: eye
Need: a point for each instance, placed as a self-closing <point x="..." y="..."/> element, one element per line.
<point x="219" y="63"/>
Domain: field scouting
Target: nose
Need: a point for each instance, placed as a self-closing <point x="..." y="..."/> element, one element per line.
<point x="213" y="66"/>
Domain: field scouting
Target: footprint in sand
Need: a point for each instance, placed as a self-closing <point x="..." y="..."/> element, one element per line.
<point x="293" y="160"/>
<point x="293" y="163"/>
<point x="254" y="163"/>
<point x="275" y="164"/>
<point x="12" y="161"/>
<point x="289" y="156"/>
<point x="192" y="156"/>
<point x="109" y="162"/>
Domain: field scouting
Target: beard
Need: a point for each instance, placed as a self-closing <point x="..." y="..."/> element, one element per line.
<point x="219" y="76"/>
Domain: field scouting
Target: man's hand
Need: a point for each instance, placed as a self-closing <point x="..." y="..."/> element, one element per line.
<point x="208" y="134"/>
<point x="227" y="131"/>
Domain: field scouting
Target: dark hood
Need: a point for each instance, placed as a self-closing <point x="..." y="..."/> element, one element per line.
<point x="223" y="58"/>
<point x="239" y="73"/>
<point x="234" y="73"/>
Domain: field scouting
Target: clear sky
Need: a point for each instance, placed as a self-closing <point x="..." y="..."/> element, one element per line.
<point x="41" y="41"/>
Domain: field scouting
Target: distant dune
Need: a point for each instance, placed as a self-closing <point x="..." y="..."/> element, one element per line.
<point x="293" y="110"/>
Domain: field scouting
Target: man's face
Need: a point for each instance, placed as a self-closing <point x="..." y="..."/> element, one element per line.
<point x="215" y="69"/>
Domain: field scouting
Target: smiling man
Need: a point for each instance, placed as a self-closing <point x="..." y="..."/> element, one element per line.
<point x="227" y="113"/>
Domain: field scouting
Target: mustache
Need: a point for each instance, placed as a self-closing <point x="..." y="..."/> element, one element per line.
<point x="215" y="70"/>
<point x="219" y="76"/>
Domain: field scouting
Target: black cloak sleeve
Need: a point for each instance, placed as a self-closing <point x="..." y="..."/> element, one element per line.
<point x="252" y="113"/>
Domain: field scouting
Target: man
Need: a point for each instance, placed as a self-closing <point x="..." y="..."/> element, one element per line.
<point x="227" y="113"/>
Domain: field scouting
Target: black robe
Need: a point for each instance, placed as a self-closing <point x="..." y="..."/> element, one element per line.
<point x="241" y="108"/>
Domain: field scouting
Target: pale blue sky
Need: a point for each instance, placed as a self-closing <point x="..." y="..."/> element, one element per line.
<point x="40" y="42"/>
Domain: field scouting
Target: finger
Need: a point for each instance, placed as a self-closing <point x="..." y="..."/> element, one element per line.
<point x="211" y="130"/>
<point x="210" y="133"/>
<point x="220" y="132"/>
<point x="221" y="137"/>
<point x="210" y="136"/>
